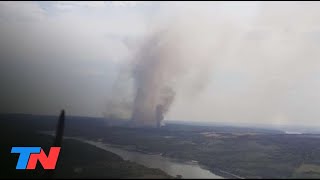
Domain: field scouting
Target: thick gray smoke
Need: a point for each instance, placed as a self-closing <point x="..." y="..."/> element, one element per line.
<point x="248" y="62"/>
<point x="173" y="57"/>
<point x="153" y="71"/>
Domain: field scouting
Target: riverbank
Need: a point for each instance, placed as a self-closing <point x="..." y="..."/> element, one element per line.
<point x="77" y="160"/>
<point x="218" y="172"/>
<point x="262" y="155"/>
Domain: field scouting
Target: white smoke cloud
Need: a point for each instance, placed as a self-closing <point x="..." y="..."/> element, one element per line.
<point x="21" y="11"/>
<point x="254" y="62"/>
<point x="125" y="3"/>
<point x="272" y="58"/>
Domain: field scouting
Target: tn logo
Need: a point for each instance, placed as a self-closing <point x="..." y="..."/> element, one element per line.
<point x="29" y="157"/>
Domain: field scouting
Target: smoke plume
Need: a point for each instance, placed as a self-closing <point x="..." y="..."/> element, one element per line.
<point x="174" y="56"/>
<point x="249" y="62"/>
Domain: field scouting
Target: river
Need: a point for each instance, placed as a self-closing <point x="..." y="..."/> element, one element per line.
<point x="170" y="166"/>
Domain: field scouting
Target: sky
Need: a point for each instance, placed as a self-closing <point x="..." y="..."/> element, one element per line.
<point x="262" y="58"/>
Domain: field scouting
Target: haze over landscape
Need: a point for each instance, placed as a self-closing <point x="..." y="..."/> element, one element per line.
<point x="231" y="62"/>
<point x="160" y="89"/>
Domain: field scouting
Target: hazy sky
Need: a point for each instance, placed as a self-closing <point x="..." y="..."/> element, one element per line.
<point x="264" y="66"/>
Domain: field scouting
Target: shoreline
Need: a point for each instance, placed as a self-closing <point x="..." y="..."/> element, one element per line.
<point x="218" y="172"/>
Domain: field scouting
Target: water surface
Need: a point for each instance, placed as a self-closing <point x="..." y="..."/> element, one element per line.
<point x="168" y="165"/>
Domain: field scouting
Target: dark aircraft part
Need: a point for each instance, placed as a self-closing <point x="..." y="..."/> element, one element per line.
<point x="59" y="131"/>
<point x="49" y="174"/>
